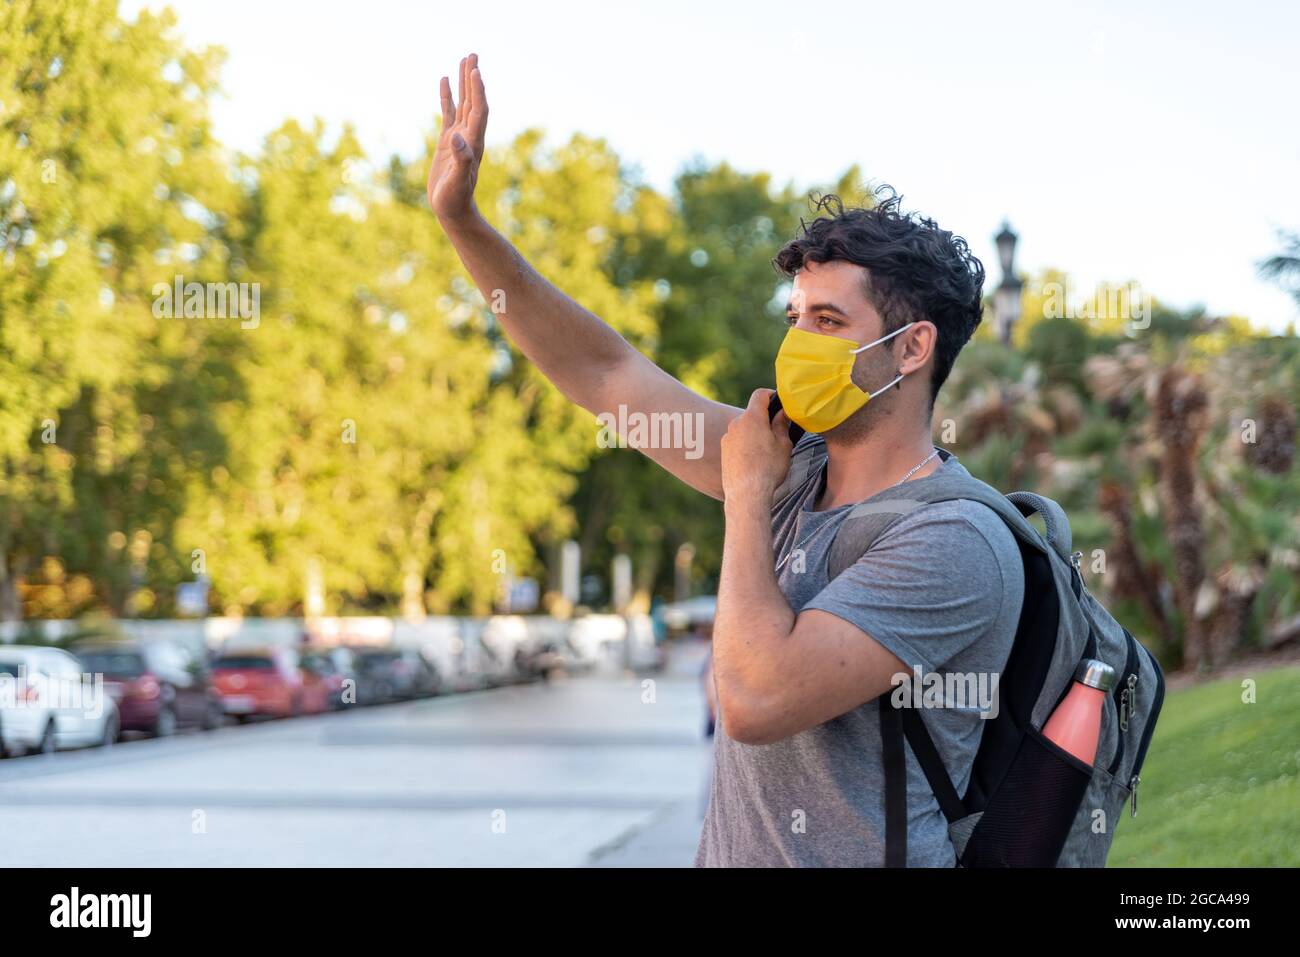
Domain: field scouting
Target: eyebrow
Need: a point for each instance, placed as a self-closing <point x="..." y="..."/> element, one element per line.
<point x="819" y="307"/>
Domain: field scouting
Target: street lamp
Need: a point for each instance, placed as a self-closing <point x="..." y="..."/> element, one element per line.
<point x="1006" y="298"/>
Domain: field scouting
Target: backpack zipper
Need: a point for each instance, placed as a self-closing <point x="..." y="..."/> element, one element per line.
<point x="1125" y="696"/>
<point x="1126" y="699"/>
<point x="1145" y="743"/>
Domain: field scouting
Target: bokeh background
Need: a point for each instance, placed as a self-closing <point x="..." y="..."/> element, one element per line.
<point x="374" y="446"/>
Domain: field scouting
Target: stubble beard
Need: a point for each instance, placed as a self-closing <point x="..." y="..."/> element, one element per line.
<point x="869" y="374"/>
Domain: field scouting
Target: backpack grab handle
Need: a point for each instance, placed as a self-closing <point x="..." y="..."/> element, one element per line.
<point x="1058" y="526"/>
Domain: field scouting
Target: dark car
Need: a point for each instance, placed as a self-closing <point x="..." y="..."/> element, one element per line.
<point x="394" y="674"/>
<point x="426" y="681"/>
<point x="375" y="681"/>
<point x="159" y="686"/>
<point x="538" y="658"/>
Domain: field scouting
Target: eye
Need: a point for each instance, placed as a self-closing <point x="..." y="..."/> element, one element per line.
<point x="791" y="319"/>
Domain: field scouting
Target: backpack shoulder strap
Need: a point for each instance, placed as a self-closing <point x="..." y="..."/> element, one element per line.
<point x="873" y="517"/>
<point x="894" y="758"/>
<point x="1054" y="520"/>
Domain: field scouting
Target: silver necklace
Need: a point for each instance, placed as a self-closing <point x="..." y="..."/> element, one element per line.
<point x="916" y="468"/>
<point x="922" y="464"/>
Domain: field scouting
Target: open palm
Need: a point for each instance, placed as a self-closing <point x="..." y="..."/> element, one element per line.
<point x="460" y="145"/>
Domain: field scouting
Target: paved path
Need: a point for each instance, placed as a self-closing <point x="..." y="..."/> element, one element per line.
<point x="584" y="771"/>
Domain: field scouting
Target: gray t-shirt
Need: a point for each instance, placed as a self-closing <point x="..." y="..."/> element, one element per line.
<point x="942" y="590"/>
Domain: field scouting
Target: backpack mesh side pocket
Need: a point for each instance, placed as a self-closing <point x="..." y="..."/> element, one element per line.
<point x="1030" y="814"/>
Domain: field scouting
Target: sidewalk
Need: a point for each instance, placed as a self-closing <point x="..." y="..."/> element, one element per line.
<point x="668" y="839"/>
<point x="671" y="835"/>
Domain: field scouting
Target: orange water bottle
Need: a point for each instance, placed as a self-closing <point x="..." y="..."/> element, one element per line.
<point x="1075" y="725"/>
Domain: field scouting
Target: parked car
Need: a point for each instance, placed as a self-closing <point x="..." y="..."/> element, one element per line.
<point x="259" y="681"/>
<point x="427" y="681"/>
<point x="538" y="658"/>
<point x="371" y="681"/>
<point x="160" y="687"/>
<point x="335" y="668"/>
<point x="394" y="674"/>
<point x="51" y="704"/>
<point x="320" y="683"/>
<point x="378" y="681"/>
<point x="695" y="614"/>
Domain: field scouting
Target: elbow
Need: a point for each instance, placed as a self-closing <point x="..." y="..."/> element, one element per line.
<point x="747" y="717"/>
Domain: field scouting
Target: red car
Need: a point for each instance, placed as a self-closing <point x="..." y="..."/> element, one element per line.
<point x="159" y="687"/>
<point x="330" y="668"/>
<point x="262" y="681"/>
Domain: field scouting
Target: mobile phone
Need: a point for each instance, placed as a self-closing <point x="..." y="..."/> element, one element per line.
<point x="773" y="407"/>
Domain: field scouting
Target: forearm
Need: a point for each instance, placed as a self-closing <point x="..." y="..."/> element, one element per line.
<point x="571" y="346"/>
<point x="753" y="617"/>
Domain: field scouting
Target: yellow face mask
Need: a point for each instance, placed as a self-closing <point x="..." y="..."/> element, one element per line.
<point x="814" y="378"/>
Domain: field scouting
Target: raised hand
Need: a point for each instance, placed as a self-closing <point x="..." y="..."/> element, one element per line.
<point x="460" y="146"/>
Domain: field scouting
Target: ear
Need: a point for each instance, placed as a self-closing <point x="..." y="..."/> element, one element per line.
<point x="918" y="345"/>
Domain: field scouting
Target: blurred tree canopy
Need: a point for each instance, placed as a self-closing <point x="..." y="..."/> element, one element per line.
<point x="355" y="424"/>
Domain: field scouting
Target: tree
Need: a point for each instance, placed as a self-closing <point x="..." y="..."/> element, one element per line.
<point x="107" y="167"/>
<point x="1284" y="267"/>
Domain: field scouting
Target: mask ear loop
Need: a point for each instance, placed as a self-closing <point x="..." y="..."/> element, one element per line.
<point x="882" y="339"/>
<point x="899" y="377"/>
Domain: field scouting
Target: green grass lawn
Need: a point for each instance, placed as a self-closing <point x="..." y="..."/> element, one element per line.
<point x="1221" y="782"/>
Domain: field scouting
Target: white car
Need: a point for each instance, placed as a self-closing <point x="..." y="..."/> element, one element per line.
<point x="47" y="703"/>
<point x="693" y="613"/>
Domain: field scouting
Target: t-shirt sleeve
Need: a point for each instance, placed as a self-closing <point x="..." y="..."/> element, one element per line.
<point x="805" y="458"/>
<point x="927" y="589"/>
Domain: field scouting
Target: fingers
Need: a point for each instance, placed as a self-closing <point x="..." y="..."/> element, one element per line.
<point x="467" y="66"/>
<point x="781" y="426"/>
<point x="448" y="108"/>
<point x="460" y="91"/>
<point x="478" y="111"/>
<point x="758" y="401"/>
<point x="469" y="109"/>
<point x="460" y="150"/>
<point x="471" y="98"/>
<point x="471" y="64"/>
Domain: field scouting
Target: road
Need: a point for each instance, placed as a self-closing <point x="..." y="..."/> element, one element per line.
<point x="581" y="772"/>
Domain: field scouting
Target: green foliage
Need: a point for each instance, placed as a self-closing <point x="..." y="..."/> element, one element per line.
<point x="370" y="421"/>
<point x="373" y="425"/>
<point x="1061" y="347"/>
<point x="1222" y="779"/>
<point x="106" y="169"/>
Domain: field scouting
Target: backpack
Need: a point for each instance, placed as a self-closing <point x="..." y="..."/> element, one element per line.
<point x="1029" y="803"/>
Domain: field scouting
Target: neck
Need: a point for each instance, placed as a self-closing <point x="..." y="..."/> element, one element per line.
<point x="859" y="469"/>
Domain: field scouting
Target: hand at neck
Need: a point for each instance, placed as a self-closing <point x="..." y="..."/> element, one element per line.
<point x="858" y="468"/>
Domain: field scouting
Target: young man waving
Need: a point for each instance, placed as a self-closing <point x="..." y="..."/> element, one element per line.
<point x="882" y="303"/>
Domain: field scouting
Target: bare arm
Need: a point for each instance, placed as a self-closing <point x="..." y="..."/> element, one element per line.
<point x="589" y="362"/>
<point x="777" y="671"/>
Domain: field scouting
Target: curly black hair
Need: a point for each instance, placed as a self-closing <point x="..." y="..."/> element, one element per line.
<point x="915" y="270"/>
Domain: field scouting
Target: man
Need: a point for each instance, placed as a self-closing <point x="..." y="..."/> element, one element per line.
<point x="882" y="303"/>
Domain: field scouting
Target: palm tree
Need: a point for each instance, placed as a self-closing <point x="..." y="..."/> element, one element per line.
<point x="1284" y="267"/>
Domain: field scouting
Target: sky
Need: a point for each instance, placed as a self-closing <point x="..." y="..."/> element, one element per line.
<point x="1145" y="142"/>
